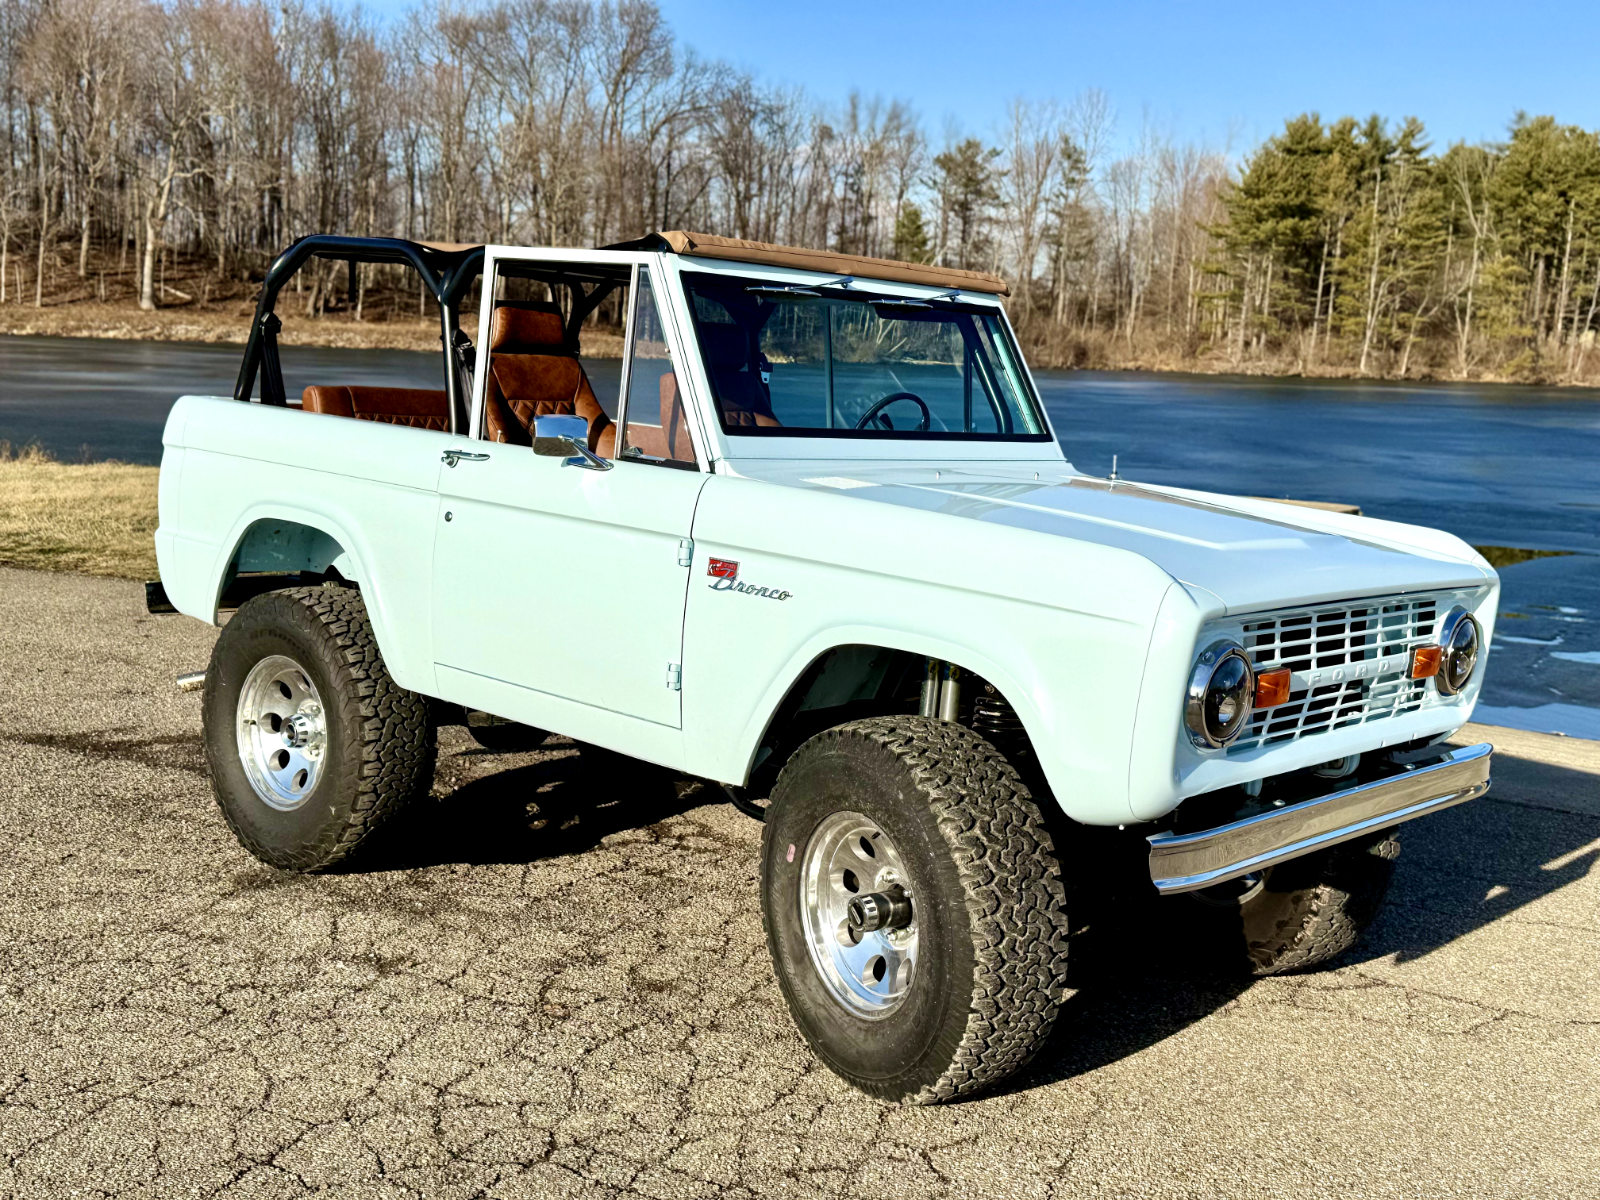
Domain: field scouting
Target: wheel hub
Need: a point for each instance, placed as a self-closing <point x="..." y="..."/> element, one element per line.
<point x="281" y="732"/>
<point x="858" y="915"/>
<point x="879" y="910"/>
<point x="300" y="729"/>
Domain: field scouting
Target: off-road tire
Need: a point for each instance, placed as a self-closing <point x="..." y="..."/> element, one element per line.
<point x="509" y="738"/>
<point x="989" y="903"/>
<point x="381" y="743"/>
<point x="1308" y="910"/>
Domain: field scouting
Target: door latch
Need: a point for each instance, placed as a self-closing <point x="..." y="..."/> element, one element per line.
<point x="451" y="457"/>
<point x="674" y="677"/>
<point x="685" y="551"/>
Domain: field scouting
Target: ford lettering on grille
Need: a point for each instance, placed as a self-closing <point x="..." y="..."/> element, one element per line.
<point x="1347" y="661"/>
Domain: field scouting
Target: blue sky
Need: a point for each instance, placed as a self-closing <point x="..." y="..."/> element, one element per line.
<point x="1201" y="71"/>
<point x="1226" y="75"/>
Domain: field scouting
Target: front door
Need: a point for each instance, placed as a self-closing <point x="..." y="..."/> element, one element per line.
<point x="564" y="580"/>
<point x="553" y="582"/>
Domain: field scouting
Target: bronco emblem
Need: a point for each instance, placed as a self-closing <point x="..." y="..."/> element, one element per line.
<point x="725" y="578"/>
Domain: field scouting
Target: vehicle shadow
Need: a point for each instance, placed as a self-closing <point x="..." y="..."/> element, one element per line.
<point x="1139" y="975"/>
<point x="565" y="801"/>
<point x="1536" y="832"/>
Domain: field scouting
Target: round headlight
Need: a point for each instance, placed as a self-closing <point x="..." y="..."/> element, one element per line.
<point x="1221" y="694"/>
<point x="1461" y="640"/>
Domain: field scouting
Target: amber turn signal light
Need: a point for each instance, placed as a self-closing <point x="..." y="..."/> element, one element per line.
<point x="1425" y="662"/>
<point x="1272" y="688"/>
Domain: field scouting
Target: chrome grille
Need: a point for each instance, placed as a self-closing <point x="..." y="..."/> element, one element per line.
<point x="1372" y="639"/>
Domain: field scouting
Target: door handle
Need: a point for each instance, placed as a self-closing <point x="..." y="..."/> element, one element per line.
<point x="451" y="457"/>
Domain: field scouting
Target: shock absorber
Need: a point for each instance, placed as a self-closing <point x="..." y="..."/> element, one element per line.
<point x="941" y="690"/>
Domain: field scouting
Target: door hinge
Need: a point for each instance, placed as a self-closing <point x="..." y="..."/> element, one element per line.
<point x="674" y="677"/>
<point x="685" y="551"/>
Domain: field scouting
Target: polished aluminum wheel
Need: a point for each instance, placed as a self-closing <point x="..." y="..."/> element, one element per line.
<point x="282" y="732"/>
<point x="849" y="859"/>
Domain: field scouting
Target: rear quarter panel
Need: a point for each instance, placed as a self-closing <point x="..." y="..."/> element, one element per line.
<point x="370" y="487"/>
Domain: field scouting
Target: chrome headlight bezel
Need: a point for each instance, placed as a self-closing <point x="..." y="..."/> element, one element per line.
<point x="1459" y="624"/>
<point x="1201" y="731"/>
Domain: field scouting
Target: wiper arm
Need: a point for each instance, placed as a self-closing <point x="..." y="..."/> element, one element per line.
<point x="781" y="291"/>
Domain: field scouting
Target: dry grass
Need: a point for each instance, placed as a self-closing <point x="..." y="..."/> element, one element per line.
<point x="92" y="518"/>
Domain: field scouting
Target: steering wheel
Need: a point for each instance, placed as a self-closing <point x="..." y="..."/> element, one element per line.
<point x="872" y="413"/>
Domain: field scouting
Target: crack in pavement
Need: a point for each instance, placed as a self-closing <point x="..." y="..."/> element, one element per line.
<point x="554" y="981"/>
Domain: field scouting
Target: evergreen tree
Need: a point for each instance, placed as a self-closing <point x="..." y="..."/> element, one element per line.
<point x="967" y="182"/>
<point x="1546" y="196"/>
<point x="911" y="235"/>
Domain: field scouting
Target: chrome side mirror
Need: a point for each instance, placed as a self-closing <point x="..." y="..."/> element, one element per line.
<point x="566" y="438"/>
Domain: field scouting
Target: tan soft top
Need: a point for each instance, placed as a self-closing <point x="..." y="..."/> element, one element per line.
<point x="709" y="245"/>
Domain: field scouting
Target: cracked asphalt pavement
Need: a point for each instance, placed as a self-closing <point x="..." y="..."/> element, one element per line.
<point x="550" y="980"/>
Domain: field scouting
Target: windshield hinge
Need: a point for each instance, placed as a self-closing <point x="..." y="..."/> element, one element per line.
<point x="674" y="677"/>
<point x="685" y="551"/>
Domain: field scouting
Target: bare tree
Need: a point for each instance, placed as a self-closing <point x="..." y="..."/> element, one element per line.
<point x="174" y="112"/>
<point x="210" y="133"/>
<point x="1033" y="147"/>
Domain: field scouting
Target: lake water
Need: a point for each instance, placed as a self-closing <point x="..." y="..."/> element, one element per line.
<point x="1500" y="466"/>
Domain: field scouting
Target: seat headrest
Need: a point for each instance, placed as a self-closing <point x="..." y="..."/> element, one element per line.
<point x="528" y="327"/>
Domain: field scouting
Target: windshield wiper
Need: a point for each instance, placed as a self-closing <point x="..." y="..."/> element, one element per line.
<point x="781" y="290"/>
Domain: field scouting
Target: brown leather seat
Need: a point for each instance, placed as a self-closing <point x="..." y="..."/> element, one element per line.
<point x="669" y="439"/>
<point x="674" y="422"/>
<point x="419" y="408"/>
<point x="533" y="372"/>
<point x="740" y="394"/>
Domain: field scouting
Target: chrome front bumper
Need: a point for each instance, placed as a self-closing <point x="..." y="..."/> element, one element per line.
<point x="1182" y="862"/>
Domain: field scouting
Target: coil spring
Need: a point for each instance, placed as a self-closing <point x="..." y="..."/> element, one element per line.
<point x="995" y="719"/>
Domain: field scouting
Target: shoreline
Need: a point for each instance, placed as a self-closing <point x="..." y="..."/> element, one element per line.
<point x="96" y="321"/>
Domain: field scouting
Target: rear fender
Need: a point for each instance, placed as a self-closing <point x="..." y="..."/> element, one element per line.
<point x="282" y="538"/>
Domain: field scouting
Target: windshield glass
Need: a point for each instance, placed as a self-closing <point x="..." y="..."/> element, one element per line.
<point x="823" y="361"/>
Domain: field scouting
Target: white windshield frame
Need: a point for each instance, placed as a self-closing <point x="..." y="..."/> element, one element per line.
<point x="732" y="448"/>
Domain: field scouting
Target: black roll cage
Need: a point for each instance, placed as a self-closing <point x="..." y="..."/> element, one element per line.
<point x="447" y="273"/>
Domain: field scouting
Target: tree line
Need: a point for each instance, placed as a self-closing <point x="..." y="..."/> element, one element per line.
<point x="138" y="132"/>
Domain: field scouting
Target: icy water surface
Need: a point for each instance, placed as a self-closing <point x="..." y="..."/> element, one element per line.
<point x="1500" y="466"/>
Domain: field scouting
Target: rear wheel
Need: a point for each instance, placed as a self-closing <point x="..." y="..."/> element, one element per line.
<point x="311" y="744"/>
<point x="913" y="908"/>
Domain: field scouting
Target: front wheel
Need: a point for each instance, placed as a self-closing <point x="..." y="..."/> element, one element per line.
<point x="311" y="744"/>
<point x="913" y="907"/>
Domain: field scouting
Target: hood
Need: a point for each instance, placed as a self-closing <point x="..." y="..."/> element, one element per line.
<point x="1249" y="554"/>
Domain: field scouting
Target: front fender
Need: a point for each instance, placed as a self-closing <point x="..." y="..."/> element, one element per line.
<point x="1061" y="627"/>
<point x="1083" y="739"/>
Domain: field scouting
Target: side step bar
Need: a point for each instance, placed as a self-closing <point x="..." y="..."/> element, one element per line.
<point x="1183" y="862"/>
